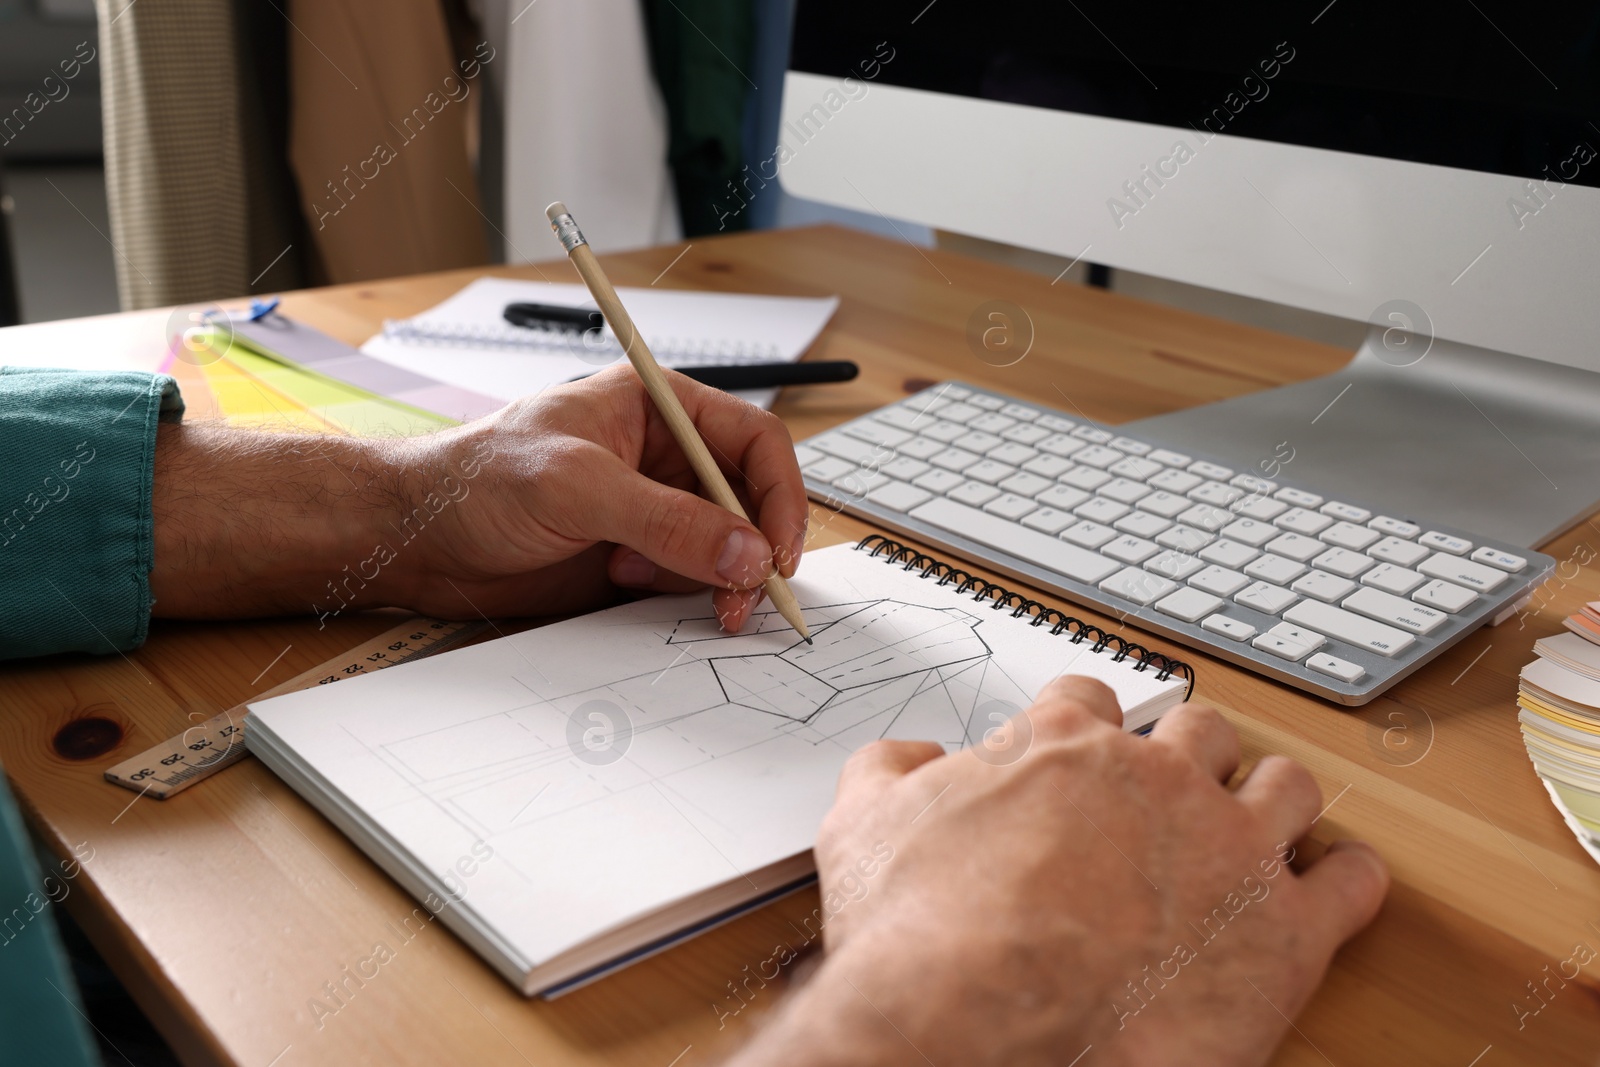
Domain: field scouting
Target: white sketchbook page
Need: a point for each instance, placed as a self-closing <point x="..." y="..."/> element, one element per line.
<point x="788" y="325"/>
<point x="478" y="744"/>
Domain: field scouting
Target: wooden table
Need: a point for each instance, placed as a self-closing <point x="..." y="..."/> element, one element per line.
<point x="227" y="909"/>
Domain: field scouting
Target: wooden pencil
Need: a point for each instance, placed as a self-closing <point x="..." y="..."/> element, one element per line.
<point x="666" y="401"/>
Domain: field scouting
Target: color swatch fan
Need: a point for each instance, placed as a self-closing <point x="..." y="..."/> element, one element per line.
<point x="1559" y="699"/>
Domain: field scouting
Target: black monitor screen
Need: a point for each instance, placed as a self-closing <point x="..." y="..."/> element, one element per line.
<point x="1488" y="85"/>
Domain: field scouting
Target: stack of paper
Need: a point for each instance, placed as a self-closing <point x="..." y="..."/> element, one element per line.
<point x="1560" y="701"/>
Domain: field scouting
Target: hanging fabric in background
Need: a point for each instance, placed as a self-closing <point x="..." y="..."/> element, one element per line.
<point x="702" y="52"/>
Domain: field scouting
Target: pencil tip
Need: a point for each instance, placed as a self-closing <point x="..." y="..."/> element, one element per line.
<point x="809" y="641"/>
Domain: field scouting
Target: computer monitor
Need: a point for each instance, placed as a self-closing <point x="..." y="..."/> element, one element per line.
<point x="1431" y="168"/>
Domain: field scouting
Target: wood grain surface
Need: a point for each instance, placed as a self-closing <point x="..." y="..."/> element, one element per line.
<point x="234" y="910"/>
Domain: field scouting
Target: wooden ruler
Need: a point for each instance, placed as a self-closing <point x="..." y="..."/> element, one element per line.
<point x="208" y="747"/>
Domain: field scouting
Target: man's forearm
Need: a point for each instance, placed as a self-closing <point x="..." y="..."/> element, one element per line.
<point x="255" y="523"/>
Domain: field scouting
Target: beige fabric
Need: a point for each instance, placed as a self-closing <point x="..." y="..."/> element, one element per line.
<point x="174" y="165"/>
<point x="378" y="137"/>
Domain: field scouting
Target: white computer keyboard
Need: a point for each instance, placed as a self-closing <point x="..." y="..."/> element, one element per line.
<point x="1322" y="594"/>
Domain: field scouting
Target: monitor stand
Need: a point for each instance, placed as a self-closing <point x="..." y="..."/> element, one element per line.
<point x="1498" y="445"/>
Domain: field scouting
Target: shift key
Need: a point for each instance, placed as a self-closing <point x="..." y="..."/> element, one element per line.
<point x="1021" y="542"/>
<point x="1349" y="627"/>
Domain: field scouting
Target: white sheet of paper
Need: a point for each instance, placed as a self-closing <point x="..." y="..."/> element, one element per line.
<point x="621" y="761"/>
<point x="781" y="326"/>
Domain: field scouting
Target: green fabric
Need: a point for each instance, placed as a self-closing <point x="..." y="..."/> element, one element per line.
<point x="41" y="1020"/>
<point x="701" y="51"/>
<point x="77" y="454"/>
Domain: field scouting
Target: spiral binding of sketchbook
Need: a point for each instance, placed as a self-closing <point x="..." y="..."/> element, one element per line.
<point x="1000" y="597"/>
<point x="669" y="350"/>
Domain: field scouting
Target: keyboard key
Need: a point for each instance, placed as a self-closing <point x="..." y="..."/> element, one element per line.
<point x="1399" y="552"/>
<point x="1130" y="446"/>
<point x="1463" y="572"/>
<point x="1175" y="481"/>
<point x="1020" y="411"/>
<point x="938" y="481"/>
<point x="1503" y="560"/>
<point x="905" y="468"/>
<point x="921" y="448"/>
<point x="1162" y="503"/>
<point x="1206" y="517"/>
<point x="1445" y="543"/>
<point x="986" y="402"/>
<point x="1219" y="580"/>
<point x="1015" y="540"/>
<point x="992" y="422"/>
<point x="1334" y="667"/>
<point x="1049" y="520"/>
<point x="1299" y="520"/>
<point x="902" y="417"/>
<point x="1261" y="508"/>
<point x="980" y="443"/>
<point x="1275" y="569"/>
<point x="1139" y="586"/>
<point x="1296" y="546"/>
<point x="1394" y="527"/>
<point x="1047" y="466"/>
<point x="987" y="471"/>
<point x="850" y="448"/>
<point x="1056" y="424"/>
<point x="1142" y="524"/>
<point x="1270" y="599"/>
<point x="1343" y="562"/>
<point x="898" y="496"/>
<point x="1130" y="549"/>
<point x="1230" y="628"/>
<point x="1253" y="485"/>
<point x="1215" y="494"/>
<point x="944" y="431"/>
<point x="1025" y="433"/>
<point x="1349" y="627"/>
<point x="861" y="481"/>
<point x="928" y="403"/>
<point x="1124" y="490"/>
<point x="1323" y="586"/>
<point x="1210" y="470"/>
<point x="878" y="434"/>
<point x="1348" y="535"/>
<point x="975" y="494"/>
<point x="1085" y="478"/>
<point x="805" y="455"/>
<point x="1229" y="554"/>
<point x="1064" y="497"/>
<point x="1385" y="607"/>
<point x="1451" y="598"/>
<point x="1250" y="532"/>
<point x="1097" y="456"/>
<point x="1009" y="506"/>
<point x="1092" y="434"/>
<point x="1392" y="579"/>
<point x="1185" y="539"/>
<point x="959" y="412"/>
<point x="1136" y="468"/>
<point x="1297" y="497"/>
<point x="826" y="470"/>
<point x="1188" y="604"/>
<point x="1289" y="642"/>
<point x="1169" y="457"/>
<point x="1012" y="453"/>
<point x="1347" y="512"/>
<point x="1101" y="510"/>
<point x="1025" y="484"/>
<point x="952" y="391"/>
<point x="1174" y="565"/>
<point x="954" y="459"/>
<point x="1088" y="534"/>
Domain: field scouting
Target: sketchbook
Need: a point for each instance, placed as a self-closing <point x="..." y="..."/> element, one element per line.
<point x="582" y="795"/>
<point x="466" y="343"/>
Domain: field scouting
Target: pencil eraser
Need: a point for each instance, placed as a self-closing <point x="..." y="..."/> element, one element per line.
<point x="555" y="211"/>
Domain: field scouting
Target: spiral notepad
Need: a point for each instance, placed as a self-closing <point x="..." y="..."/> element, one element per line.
<point x="595" y="346"/>
<point x="621" y="781"/>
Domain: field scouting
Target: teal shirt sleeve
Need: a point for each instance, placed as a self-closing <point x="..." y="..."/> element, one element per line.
<point x="76" y="530"/>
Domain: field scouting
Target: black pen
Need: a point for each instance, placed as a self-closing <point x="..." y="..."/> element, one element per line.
<point x="554" y="317"/>
<point x="766" y="375"/>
